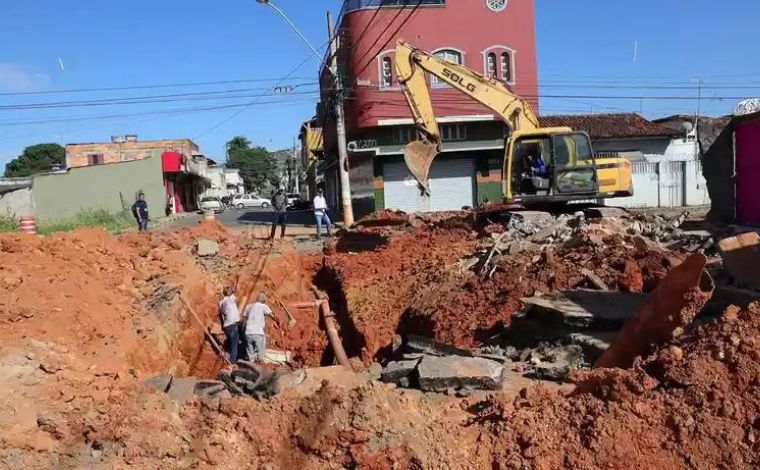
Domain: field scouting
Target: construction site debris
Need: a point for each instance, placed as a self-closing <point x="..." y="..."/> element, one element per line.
<point x="741" y="258"/>
<point x="402" y="373"/>
<point x="424" y="345"/>
<point x="585" y="307"/>
<point x="664" y="314"/>
<point x="437" y="374"/>
<point x="207" y="247"/>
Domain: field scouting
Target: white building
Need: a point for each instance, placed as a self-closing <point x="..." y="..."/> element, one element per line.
<point x="224" y="181"/>
<point x="667" y="171"/>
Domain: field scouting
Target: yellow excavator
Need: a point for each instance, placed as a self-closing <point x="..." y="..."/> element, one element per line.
<point x="541" y="165"/>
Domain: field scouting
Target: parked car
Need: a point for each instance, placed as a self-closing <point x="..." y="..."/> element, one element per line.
<point x="242" y="201"/>
<point x="213" y="203"/>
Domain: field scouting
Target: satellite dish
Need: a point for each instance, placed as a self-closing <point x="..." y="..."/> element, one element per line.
<point x="749" y="106"/>
<point x="686" y="127"/>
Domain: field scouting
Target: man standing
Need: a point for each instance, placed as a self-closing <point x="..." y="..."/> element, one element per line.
<point x="140" y="211"/>
<point x="254" y="317"/>
<point x="280" y="206"/>
<point x="230" y="314"/>
<point x="320" y="213"/>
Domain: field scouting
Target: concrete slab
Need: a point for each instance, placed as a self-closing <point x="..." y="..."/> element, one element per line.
<point x="182" y="389"/>
<point x="159" y="382"/>
<point x="424" y="345"/>
<point x="207" y="247"/>
<point x="583" y="307"/>
<point x="396" y="371"/>
<point x="437" y="374"/>
<point x="741" y="256"/>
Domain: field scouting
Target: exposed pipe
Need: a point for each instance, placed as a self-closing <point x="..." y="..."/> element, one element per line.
<point x="332" y="332"/>
<point x="332" y="335"/>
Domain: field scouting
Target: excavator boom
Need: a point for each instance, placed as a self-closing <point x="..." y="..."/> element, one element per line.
<point x="411" y="66"/>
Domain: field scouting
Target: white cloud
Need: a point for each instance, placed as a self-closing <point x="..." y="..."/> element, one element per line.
<point x="17" y="78"/>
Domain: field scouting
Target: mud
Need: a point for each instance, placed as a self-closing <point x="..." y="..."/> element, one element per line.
<point x="85" y="318"/>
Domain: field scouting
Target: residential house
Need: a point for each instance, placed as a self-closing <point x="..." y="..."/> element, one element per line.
<point x="122" y="149"/>
<point x="184" y="168"/>
<point x="224" y="181"/>
<point x="732" y="169"/>
<point x="378" y="120"/>
<point x="664" y="155"/>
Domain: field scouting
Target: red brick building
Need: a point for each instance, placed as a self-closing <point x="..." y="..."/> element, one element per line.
<point x="494" y="37"/>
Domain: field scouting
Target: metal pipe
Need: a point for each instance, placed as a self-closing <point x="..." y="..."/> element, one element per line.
<point x="333" y="336"/>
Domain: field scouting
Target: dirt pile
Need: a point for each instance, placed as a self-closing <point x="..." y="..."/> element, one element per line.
<point x="376" y="287"/>
<point x="423" y="282"/>
<point x="692" y="404"/>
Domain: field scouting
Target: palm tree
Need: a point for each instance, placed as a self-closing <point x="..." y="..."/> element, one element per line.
<point x="238" y="143"/>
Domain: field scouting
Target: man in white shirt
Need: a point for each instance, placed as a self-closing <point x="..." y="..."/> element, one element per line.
<point x="320" y="213"/>
<point x="254" y="317"/>
<point x="230" y="314"/>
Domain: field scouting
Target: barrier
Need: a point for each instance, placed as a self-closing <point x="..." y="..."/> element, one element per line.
<point x="29" y="224"/>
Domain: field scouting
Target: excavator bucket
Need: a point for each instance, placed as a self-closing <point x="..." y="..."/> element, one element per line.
<point x="419" y="156"/>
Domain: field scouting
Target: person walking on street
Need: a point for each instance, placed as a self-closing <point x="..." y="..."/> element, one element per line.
<point x="254" y="317"/>
<point x="230" y="314"/>
<point x="320" y="213"/>
<point x="140" y="212"/>
<point x="280" y="206"/>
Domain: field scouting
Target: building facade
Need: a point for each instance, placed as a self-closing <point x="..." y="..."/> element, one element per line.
<point x="732" y="169"/>
<point x="500" y="42"/>
<point x="124" y="149"/>
<point x="667" y="171"/>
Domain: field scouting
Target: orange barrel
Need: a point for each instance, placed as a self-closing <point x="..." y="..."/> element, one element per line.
<point x="29" y="224"/>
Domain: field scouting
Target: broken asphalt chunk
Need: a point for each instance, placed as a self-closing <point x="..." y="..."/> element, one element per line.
<point x="424" y="345"/>
<point x="394" y="372"/>
<point x="436" y="374"/>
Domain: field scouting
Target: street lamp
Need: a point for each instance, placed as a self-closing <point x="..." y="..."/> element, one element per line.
<point x="292" y="25"/>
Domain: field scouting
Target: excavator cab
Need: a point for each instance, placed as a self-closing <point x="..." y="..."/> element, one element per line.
<point x="549" y="166"/>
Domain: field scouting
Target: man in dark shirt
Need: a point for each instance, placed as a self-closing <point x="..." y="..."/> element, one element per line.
<point x="140" y="211"/>
<point x="280" y="206"/>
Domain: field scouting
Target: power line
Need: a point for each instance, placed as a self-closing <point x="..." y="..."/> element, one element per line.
<point x="132" y="101"/>
<point x="147" y="87"/>
<point x="393" y="35"/>
<point x="382" y="31"/>
<point x="256" y="99"/>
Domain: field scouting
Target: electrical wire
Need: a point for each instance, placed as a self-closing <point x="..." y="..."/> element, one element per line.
<point x="382" y="33"/>
<point x="393" y="35"/>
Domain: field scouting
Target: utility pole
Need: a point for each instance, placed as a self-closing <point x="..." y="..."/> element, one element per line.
<point x="340" y="121"/>
<point x="295" y="166"/>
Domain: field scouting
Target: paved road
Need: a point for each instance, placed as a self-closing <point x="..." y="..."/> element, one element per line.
<point x="298" y="222"/>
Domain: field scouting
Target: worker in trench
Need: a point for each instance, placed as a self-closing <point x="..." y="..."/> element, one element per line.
<point x="230" y="316"/>
<point x="254" y="318"/>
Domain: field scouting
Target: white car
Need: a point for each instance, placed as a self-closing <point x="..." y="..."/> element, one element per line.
<point x="242" y="201"/>
<point x="212" y="203"/>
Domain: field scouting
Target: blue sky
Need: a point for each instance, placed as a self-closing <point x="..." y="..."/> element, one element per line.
<point x="586" y="47"/>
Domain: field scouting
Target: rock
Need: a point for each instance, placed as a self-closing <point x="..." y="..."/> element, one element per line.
<point x="465" y="392"/>
<point x="158" y="382"/>
<point x="375" y="371"/>
<point x="286" y="379"/>
<point x="181" y="389"/>
<point x="514" y="248"/>
<point x="552" y="371"/>
<point x="421" y="344"/>
<point x="207" y="247"/>
<point x="394" y="372"/>
<point x="436" y="374"/>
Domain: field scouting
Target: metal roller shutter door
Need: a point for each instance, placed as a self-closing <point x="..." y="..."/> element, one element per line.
<point x="451" y="185"/>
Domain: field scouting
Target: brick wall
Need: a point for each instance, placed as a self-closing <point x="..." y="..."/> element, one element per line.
<point x="78" y="155"/>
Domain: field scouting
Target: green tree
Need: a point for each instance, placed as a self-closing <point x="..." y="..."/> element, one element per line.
<point x="256" y="165"/>
<point x="35" y="159"/>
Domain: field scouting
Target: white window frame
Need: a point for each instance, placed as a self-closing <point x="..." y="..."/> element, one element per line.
<point x="456" y="132"/>
<point x="389" y="54"/>
<point x="491" y="70"/>
<point x="498" y="49"/>
<point x="435" y="82"/>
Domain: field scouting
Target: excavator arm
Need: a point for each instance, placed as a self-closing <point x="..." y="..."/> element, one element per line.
<point x="411" y="66"/>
